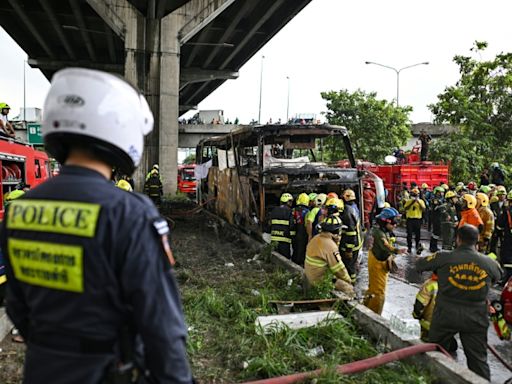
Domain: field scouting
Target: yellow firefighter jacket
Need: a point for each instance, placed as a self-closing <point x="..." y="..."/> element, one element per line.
<point x="322" y="253"/>
<point x="425" y="303"/>
<point x="488" y="218"/>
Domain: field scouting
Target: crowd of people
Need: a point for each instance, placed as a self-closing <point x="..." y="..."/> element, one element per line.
<point x="470" y="247"/>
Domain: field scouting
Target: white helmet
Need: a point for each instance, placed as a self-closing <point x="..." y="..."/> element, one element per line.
<point x="99" y="111"/>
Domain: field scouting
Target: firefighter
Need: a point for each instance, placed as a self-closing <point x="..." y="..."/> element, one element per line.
<point x="497" y="204"/>
<point x="124" y="185"/>
<point x="504" y="226"/>
<point x="497" y="174"/>
<point x="381" y="258"/>
<point x="322" y="256"/>
<point x="414" y="208"/>
<point x="435" y="217"/>
<point x="6" y="128"/>
<point x="368" y="205"/>
<point x="426" y="196"/>
<point x="469" y="214"/>
<point x="156" y="168"/>
<point x="464" y="278"/>
<point x="281" y="225"/>
<point x="153" y="187"/>
<point x="334" y="206"/>
<point x="103" y="305"/>
<point x="487" y="217"/>
<point x="300" y="240"/>
<point x="471" y="187"/>
<point x="316" y="215"/>
<point x="449" y="219"/>
<point x="351" y="240"/>
<point x="424" y="305"/>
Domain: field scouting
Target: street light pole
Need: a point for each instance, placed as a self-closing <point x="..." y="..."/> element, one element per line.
<point x="397" y="71"/>
<point x="261" y="89"/>
<point x="24" y="94"/>
<point x="288" y="100"/>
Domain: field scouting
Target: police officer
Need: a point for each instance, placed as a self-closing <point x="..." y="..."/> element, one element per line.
<point x="464" y="277"/>
<point x="281" y="225"/>
<point x="88" y="264"/>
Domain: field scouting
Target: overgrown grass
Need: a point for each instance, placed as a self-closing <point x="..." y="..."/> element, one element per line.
<point x="225" y="347"/>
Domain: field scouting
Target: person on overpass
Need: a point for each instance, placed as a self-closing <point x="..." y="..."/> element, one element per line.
<point x="6" y="128"/>
<point x="464" y="278"/>
<point x="381" y="258"/>
<point x="323" y="257"/>
<point x="103" y="305"/>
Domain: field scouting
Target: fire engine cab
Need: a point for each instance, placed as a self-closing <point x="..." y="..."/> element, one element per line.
<point x="20" y="163"/>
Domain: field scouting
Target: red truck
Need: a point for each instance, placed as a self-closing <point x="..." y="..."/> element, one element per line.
<point x="20" y="162"/>
<point x="186" y="179"/>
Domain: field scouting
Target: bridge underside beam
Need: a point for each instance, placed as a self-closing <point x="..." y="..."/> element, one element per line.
<point x="108" y="12"/>
<point x="197" y="75"/>
<point x="46" y="64"/>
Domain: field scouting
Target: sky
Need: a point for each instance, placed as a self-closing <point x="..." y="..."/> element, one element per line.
<point x="325" y="48"/>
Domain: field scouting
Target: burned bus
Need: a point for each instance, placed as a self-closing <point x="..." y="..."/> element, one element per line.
<point x="241" y="175"/>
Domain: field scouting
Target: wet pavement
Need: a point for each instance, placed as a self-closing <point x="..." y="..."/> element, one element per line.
<point x="401" y="293"/>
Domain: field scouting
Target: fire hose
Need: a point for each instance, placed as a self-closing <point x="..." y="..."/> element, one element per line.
<point x="358" y="366"/>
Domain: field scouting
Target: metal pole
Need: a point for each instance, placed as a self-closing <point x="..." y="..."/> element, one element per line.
<point x="261" y="89"/>
<point x="397" y="87"/>
<point x="24" y="95"/>
<point x="288" y="100"/>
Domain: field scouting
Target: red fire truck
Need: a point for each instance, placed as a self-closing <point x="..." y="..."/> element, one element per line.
<point x="20" y="162"/>
<point x="186" y="179"/>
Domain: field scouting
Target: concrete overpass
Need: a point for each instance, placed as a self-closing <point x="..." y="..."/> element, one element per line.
<point x="176" y="51"/>
<point x="191" y="134"/>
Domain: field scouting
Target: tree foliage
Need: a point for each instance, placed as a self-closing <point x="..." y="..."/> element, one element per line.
<point x="190" y="159"/>
<point x="480" y="103"/>
<point x="377" y="127"/>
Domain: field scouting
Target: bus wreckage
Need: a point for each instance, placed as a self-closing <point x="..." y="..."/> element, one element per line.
<point x="241" y="175"/>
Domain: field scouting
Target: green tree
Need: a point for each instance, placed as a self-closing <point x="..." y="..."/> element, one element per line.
<point x="377" y="127"/>
<point x="480" y="103"/>
<point x="190" y="159"/>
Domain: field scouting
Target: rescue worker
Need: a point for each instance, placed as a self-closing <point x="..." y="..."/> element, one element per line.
<point x="426" y="196"/>
<point x="300" y="240"/>
<point x="3" y="279"/>
<point x="156" y="168"/>
<point x="368" y="205"/>
<point x="403" y="197"/>
<point x="497" y="204"/>
<point x="471" y="187"/>
<point x="497" y="174"/>
<point x="153" y="188"/>
<point x="425" y="140"/>
<point x="449" y="219"/>
<point x="414" y="208"/>
<point x="312" y="197"/>
<point x="322" y="256"/>
<point x="6" y="128"/>
<point x="504" y="226"/>
<point x="281" y="225"/>
<point x="435" y="215"/>
<point x="464" y="278"/>
<point x="105" y="287"/>
<point x="316" y="215"/>
<point x="334" y="206"/>
<point x="381" y="258"/>
<point x="424" y="305"/>
<point x="469" y="214"/>
<point x="352" y="239"/>
<point x="482" y="206"/>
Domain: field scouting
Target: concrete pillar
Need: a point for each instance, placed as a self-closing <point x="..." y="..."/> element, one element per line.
<point x="169" y="101"/>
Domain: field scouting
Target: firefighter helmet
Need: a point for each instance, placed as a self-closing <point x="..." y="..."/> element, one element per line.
<point x="331" y="224"/>
<point x="303" y="199"/>
<point x="4" y="106"/>
<point x="470" y="200"/>
<point x="482" y="199"/>
<point x="438" y="189"/>
<point x="349" y="195"/>
<point x="332" y="194"/>
<point x="509" y="196"/>
<point x="312" y="196"/>
<point x="335" y="204"/>
<point x="415" y="192"/>
<point x="494" y="199"/>
<point x="424" y="186"/>
<point x="124" y="185"/>
<point x="450" y="194"/>
<point x="501" y="190"/>
<point x="98" y="111"/>
<point x="320" y="199"/>
<point x="485" y="189"/>
<point x="471" y="186"/>
<point x="286" y="197"/>
<point x="388" y="215"/>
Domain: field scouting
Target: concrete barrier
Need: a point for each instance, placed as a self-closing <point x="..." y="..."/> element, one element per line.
<point x="5" y="324"/>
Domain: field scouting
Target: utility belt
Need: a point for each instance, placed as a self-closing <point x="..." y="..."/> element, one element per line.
<point x="122" y="370"/>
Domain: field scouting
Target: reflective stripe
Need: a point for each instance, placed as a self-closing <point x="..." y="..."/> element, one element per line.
<point x="507" y="265"/>
<point x="425" y="324"/>
<point x="280" y="239"/>
<point x="351" y="233"/>
<point x="293" y="233"/>
<point x="315" y="262"/>
<point x="350" y="245"/>
<point x="3" y="279"/>
<point x="280" y="222"/>
<point x="336" y="268"/>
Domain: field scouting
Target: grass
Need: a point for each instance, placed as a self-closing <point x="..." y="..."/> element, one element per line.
<point x="224" y="347"/>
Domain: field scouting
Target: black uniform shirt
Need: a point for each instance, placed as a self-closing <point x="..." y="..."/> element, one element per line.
<point x="464" y="275"/>
<point x="84" y="258"/>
